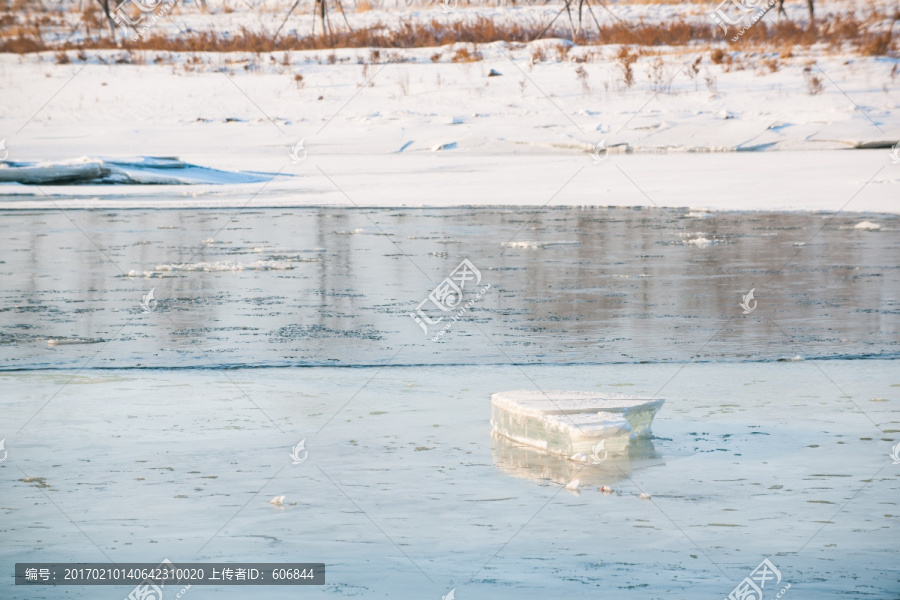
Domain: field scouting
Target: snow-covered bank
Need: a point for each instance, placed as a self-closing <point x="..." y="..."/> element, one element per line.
<point x="361" y="104"/>
<point x="440" y="133"/>
<point x="464" y="124"/>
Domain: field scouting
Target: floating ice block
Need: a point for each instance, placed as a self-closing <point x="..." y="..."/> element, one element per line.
<point x="566" y="423"/>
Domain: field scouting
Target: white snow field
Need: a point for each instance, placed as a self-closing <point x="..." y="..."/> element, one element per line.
<point x="411" y="127"/>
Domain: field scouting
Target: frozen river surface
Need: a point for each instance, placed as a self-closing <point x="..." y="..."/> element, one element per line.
<point x="128" y="440"/>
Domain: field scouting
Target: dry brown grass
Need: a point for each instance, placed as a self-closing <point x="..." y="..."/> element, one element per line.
<point x="625" y="60"/>
<point x="813" y="81"/>
<point x="875" y="44"/>
<point x="653" y="1"/>
<point x="22" y="34"/>
<point x="582" y="75"/>
<point x="771" y="64"/>
<point x="462" y="55"/>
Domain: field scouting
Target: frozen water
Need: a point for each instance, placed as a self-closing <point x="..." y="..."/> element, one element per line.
<point x="747" y="461"/>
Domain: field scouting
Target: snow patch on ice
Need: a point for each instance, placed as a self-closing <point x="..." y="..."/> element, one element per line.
<point x="541" y="245"/>
<point x="701" y="242"/>
<point x="63" y="341"/>
<point x="218" y="266"/>
<point x="867" y="226"/>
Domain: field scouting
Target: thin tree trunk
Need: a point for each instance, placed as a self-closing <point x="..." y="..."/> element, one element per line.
<point x="340" y="6"/>
<point x="320" y="7"/>
<point x="571" y="22"/>
<point x="286" y="17"/>
<point x="549" y="24"/>
<point x="580" y="7"/>
<point x="112" y="27"/>
<point x="593" y="16"/>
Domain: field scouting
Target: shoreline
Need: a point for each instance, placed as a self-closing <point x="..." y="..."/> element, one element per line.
<point x="863" y="181"/>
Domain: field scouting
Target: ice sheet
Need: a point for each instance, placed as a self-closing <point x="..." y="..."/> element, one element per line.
<point x="749" y="461"/>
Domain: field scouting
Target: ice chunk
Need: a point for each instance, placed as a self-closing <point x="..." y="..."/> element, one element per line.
<point x="144" y="170"/>
<point x="569" y="423"/>
<point x="62" y="172"/>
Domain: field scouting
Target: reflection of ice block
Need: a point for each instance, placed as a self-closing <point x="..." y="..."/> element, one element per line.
<point x="566" y="423"/>
<point x="526" y="462"/>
